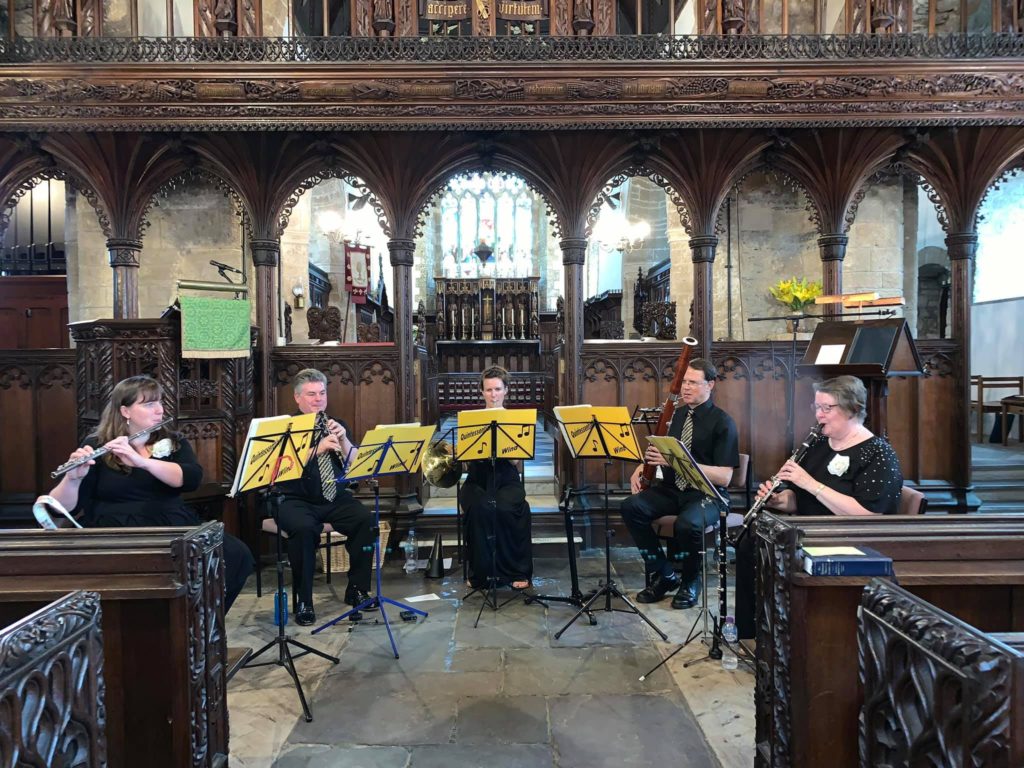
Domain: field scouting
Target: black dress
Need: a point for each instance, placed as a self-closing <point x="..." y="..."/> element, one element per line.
<point x="109" y="498"/>
<point x="869" y="472"/>
<point x="512" y="555"/>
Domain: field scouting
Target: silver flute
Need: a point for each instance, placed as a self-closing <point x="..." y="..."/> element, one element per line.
<point x="67" y="466"/>
<point x="797" y="457"/>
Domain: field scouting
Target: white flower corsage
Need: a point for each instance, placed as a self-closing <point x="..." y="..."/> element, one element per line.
<point x="839" y="465"/>
<point x="162" y="448"/>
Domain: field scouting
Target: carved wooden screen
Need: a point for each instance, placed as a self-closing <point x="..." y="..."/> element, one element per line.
<point x="147" y="18"/>
<point x="51" y="686"/>
<point x="882" y="17"/>
<point x="937" y="691"/>
<point x="731" y="17"/>
<point x="323" y="18"/>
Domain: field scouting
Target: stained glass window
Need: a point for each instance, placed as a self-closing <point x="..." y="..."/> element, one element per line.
<point x="488" y="209"/>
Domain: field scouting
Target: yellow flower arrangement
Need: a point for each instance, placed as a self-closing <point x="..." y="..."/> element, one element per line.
<point x="795" y="294"/>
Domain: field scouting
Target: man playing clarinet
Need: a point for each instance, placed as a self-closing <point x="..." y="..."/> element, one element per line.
<point x="710" y="434"/>
<point x="317" y="498"/>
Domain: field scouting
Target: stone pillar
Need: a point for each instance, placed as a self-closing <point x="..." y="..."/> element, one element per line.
<point x="961" y="248"/>
<point x="124" y="260"/>
<point x="833" y="250"/>
<point x="265" y="255"/>
<point x="574" y="251"/>
<point x="402" y="252"/>
<point x="401" y="262"/>
<point x="702" y="251"/>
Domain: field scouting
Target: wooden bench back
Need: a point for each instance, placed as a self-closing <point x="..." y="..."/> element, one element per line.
<point x="51" y="675"/>
<point x="914" y="660"/>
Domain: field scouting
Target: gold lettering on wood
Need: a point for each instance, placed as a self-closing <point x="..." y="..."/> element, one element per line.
<point x="328" y="90"/>
<point x="220" y="90"/>
<point x="545" y="90"/>
<point x="749" y="87"/>
<point x="446" y="9"/>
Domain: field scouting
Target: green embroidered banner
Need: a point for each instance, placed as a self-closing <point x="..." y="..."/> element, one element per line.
<point x="212" y="328"/>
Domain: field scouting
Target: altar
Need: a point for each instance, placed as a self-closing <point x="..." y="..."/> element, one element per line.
<point x="487" y="308"/>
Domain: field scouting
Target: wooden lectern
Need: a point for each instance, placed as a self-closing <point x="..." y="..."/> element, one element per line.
<point x="874" y="350"/>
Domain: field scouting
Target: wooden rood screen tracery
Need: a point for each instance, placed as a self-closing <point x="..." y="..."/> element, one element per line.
<point x="456" y="18"/>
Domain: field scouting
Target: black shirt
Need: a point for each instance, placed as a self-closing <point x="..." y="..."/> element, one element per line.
<point x="135" y="498"/>
<point x="869" y="472"/>
<point x="716" y="441"/>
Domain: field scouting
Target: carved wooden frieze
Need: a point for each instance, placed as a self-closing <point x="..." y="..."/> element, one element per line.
<point x="533" y="94"/>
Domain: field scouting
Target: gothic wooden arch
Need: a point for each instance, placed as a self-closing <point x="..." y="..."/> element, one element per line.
<point x="23" y="164"/>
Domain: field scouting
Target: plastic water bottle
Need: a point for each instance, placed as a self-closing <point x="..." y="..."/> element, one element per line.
<point x="410" y="552"/>
<point x="731" y="637"/>
<point x="281" y="607"/>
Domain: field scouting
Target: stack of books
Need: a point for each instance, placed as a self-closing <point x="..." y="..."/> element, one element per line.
<point x="846" y="561"/>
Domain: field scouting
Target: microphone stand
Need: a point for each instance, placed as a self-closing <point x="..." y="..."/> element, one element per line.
<point x="794" y="320"/>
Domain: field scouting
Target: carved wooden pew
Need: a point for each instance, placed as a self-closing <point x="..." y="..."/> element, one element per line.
<point x="163" y="630"/>
<point x="808" y="696"/>
<point x="937" y="691"/>
<point x="51" y="679"/>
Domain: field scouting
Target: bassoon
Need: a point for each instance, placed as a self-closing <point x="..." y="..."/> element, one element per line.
<point x="669" y="409"/>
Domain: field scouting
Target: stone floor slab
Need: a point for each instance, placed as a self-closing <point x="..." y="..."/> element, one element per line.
<point x="503" y="720"/>
<point x="503" y="695"/>
<point x="561" y="671"/>
<point x="471" y="756"/>
<point x="635" y="731"/>
<point x="317" y="756"/>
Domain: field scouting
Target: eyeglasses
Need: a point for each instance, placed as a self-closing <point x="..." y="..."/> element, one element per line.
<point x="824" y="408"/>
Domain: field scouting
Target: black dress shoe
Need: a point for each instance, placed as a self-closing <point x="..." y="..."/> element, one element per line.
<point x="688" y="595"/>
<point x="659" y="587"/>
<point x="304" y="615"/>
<point x="354" y="596"/>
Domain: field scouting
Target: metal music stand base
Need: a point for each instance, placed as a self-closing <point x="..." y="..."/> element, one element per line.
<point x="283" y="643"/>
<point x="576" y="598"/>
<point x="378" y="601"/>
<point x="608" y="588"/>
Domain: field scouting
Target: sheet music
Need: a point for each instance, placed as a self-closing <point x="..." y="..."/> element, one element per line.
<point x="830" y="354"/>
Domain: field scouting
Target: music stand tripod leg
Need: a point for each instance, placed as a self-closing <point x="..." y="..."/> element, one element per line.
<point x="576" y="596"/>
<point x="608" y="589"/>
<point x="714" y="651"/>
<point x="379" y="600"/>
<point x="282" y="641"/>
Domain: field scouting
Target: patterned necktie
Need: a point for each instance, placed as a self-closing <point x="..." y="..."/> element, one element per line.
<point x="687" y="440"/>
<point x="327" y="482"/>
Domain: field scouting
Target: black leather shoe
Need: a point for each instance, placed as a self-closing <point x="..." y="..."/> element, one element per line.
<point x="304" y="615"/>
<point x="688" y="595"/>
<point x="659" y="587"/>
<point x="354" y="596"/>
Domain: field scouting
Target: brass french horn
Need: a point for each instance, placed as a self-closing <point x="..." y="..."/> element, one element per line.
<point x="440" y="469"/>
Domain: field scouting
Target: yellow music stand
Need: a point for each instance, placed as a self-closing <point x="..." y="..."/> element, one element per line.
<point x="396" y="449"/>
<point x="489" y="434"/>
<point x="598" y="432"/>
<point x="277" y="449"/>
<point x="507" y="433"/>
<point x="602" y="432"/>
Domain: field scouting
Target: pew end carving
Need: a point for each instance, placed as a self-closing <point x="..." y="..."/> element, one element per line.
<point x="51" y="667"/>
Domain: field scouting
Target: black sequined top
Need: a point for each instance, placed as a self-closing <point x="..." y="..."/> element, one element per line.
<point x="868" y="471"/>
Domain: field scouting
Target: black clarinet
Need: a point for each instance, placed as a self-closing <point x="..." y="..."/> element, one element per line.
<point x="798" y="455"/>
